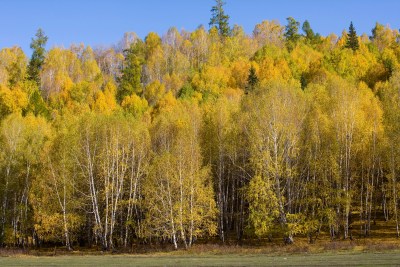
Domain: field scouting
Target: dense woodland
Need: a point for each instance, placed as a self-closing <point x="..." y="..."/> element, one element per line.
<point x="211" y="134"/>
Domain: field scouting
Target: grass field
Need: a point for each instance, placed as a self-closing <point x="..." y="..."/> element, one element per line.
<point x="382" y="248"/>
<point x="391" y="258"/>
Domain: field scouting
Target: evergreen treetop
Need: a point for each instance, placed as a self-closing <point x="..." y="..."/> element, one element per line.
<point x="219" y="19"/>
<point x="35" y="64"/>
<point x="352" y="39"/>
<point x="291" y="32"/>
<point x="130" y="81"/>
<point x="252" y="79"/>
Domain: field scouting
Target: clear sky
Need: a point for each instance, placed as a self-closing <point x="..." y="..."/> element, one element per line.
<point x="104" y="22"/>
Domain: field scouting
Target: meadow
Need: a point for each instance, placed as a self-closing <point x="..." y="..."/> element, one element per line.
<point x="391" y="258"/>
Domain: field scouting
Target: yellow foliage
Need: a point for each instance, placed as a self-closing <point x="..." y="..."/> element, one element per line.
<point x="12" y="101"/>
<point x="271" y="69"/>
<point x="211" y="80"/>
<point x="155" y="64"/>
<point x="135" y="105"/>
<point x="166" y="103"/>
<point x="90" y="69"/>
<point x="154" y="92"/>
<point x="302" y="57"/>
<point x="232" y="93"/>
<point x="329" y="42"/>
<point x="342" y="40"/>
<point x="239" y="46"/>
<point x="60" y="70"/>
<point x="239" y="74"/>
<point x="172" y="83"/>
<point x="353" y="65"/>
<point x="104" y="101"/>
<point x="384" y="37"/>
<point x="9" y="57"/>
<point x="109" y="94"/>
<point x="152" y="41"/>
<point x="50" y="227"/>
<point x="100" y="104"/>
<point x="269" y="33"/>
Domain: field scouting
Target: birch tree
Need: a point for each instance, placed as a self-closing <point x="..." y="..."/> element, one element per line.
<point x="178" y="191"/>
<point x="276" y="115"/>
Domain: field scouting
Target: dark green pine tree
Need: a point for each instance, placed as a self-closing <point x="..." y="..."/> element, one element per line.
<point x="130" y="81"/>
<point x="310" y="35"/>
<point x="219" y="19"/>
<point x="252" y="80"/>
<point x="291" y="32"/>
<point x="352" y="39"/>
<point x="36" y="62"/>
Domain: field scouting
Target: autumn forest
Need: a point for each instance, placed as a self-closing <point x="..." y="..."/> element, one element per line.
<point x="214" y="134"/>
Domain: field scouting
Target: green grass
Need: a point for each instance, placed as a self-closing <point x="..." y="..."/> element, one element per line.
<point x="391" y="258"/>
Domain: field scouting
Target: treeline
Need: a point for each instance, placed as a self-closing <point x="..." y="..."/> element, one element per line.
<point x="204" y="134"/>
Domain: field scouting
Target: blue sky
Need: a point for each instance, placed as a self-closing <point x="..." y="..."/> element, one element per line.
<point x="104" y="22"/>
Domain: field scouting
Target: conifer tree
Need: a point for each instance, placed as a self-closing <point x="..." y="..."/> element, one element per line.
<point x="219" y="19"/>
<point x="252" y="79"/>
<point x="307" y="30"/>
<point x="310" y="36"/>
<point x="38" y="55"/>
<point x="291" y="32"/>
<point x="130" y="81"/>
<point x="352" y="39"/>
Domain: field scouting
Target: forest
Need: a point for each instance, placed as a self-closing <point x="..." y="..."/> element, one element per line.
<point x="213" y="134"/>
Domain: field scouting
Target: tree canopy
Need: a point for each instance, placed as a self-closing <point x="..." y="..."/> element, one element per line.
<point x="219" y="19"/>
<point x="352" y="38"/>
<point x="215" y="135"/>
<point x="38" y="56"/>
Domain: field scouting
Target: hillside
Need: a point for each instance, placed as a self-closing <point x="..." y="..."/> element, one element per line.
<point x="211" y="136"/>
